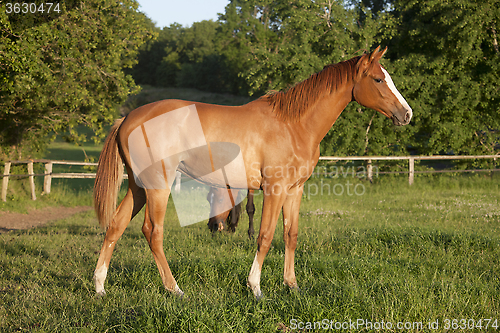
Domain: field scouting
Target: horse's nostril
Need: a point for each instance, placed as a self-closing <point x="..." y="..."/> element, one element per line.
<point x="408" y="116"/>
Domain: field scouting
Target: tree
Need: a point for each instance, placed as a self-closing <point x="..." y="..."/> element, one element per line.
<point x="447" y="51"/>
<point x="443" y="57"/>
<point x="158" y="61"/>
<point x="285" y="42"/>
<point x="202" y="64"/>
<point x="65" y="69"/>
<point x="185" y="57"/>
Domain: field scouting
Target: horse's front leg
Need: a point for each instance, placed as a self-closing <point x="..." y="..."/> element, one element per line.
<point x="291" y="209"/>
<point x="274" y="197"/>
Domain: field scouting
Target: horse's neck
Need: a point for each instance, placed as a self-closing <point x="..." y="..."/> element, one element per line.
<point x="317" y="122"/>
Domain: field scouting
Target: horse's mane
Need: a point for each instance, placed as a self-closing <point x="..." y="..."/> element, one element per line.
<point x="292" y="104"/>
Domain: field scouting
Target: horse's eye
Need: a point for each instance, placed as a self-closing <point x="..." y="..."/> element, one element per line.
<point x="379" y="80"/>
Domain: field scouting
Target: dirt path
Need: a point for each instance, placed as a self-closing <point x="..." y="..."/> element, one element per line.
<point x="38" y="217"/>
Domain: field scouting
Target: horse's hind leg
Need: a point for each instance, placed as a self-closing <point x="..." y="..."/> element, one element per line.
<point x="234" y="218"/>
<point x="132" y="203"/>
<point x="152" y="229"/>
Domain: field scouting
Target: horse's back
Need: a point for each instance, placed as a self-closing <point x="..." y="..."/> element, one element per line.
<point x="218" y="121"/>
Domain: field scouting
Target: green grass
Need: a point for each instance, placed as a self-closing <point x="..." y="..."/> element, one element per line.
<point x="397" y="253"/>
<point x="393" y="253"/>
<point x="66" y="151"/>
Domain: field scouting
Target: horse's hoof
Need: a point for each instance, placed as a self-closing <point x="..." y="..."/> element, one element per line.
<point x="256" y="292"/>
<point x="100" y="294"/>
<point x="178" y="292"/>
<point x="259" y="296"/>
<point x="294" y="287"/>
<point x="183" y="297"/>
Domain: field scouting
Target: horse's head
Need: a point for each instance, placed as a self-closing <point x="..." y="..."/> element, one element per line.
<point x="222" y="218"/>
<point x="217" y="200"/>
<point x="374" y="89"/>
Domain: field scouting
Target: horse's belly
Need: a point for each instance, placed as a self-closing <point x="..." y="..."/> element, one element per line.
<point x="217" y="164"/>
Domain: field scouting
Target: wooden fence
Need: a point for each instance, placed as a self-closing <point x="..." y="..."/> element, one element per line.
<point x="411" y="162"/>
<point x="49" y="175"/>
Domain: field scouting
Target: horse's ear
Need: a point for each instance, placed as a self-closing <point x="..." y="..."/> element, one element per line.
<point x="366" y="61"/>
<point x="377" y="54"/>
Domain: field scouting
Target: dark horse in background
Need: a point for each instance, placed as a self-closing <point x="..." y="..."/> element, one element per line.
<point x="229" y="219"/>
<point x="278" y="135"/>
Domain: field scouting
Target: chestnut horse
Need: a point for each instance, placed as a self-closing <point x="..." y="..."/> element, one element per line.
<point x="278" y="135"/>
<point x="228" y="220"/>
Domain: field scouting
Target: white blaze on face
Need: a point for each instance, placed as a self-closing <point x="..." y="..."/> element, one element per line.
<point x="396" y="93"/>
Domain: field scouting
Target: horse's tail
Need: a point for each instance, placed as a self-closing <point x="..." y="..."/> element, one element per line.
<point x="108" y="178"/>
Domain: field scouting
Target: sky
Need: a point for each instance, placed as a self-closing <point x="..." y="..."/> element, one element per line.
<point x="185" y="12"/>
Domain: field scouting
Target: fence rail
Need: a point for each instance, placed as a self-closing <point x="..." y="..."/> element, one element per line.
<point x="48" y="175"/>
<point x="411" y="162"/>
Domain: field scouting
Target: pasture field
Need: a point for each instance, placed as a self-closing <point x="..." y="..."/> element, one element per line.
<point x="399" y="258"/>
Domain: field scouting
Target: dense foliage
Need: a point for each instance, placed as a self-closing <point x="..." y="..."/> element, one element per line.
<point x="447" y="56"/>
<point x="76" y="66"/>
<point x="64" y="68"/>
<point x="444" y="58"/>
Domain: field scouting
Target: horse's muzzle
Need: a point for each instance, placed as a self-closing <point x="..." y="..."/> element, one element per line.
<point x="220" y="226"/>
<point x="401" y="122"/>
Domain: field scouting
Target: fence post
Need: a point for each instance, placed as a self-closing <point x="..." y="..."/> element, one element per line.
<point x="47" y="179"/>
<point x="369" y="168"/>
<point x="5" y="181"/>
<point x="32" y="179"/>
<point x="411" y="161"/>
<point x="177" y="188"/>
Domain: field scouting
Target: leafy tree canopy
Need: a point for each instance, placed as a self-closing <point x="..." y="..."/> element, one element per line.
<point x="446" y="53"/>
<point x="65" y="68"/>
<point x="61" y="70"/>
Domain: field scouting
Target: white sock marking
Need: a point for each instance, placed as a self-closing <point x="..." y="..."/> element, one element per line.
<point x="254" y="278"/>
<point x="99" y="278"/>
<point x="178" y="291"/>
